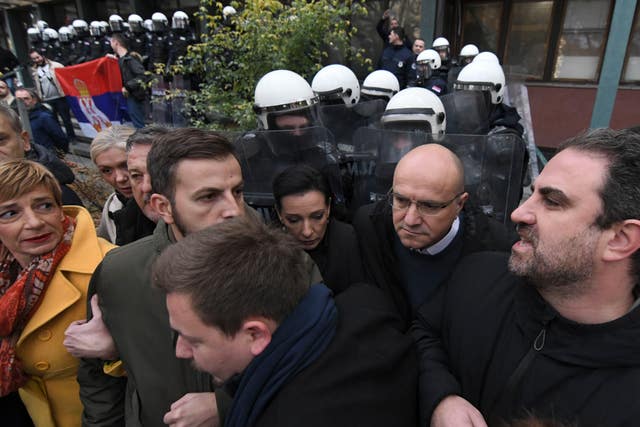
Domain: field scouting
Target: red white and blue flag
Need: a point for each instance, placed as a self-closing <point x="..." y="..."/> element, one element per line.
<point x="94" y="93"/>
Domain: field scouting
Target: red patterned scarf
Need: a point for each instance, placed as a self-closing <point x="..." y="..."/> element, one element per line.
<point x="19" y="299"/>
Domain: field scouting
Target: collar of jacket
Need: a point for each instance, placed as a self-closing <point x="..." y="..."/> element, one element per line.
<point x="605" y="345"/>
<point x="83" y="257"/>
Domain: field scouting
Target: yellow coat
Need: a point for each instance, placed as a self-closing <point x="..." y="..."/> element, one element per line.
<point x="52" y="393"/>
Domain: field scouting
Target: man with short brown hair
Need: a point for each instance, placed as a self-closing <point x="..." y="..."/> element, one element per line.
<point x="238" y="298"/>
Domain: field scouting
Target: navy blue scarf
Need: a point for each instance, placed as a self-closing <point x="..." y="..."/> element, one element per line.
<point x="299" y="340"/>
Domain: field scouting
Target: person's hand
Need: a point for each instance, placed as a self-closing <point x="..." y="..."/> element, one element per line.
<point x="193" y="410"/>
<point x="111" y="55"/>
<point x="455" y="411"/>
<point x="125" y="93"/>
<point x="386" y="14"/>
<point x="90" y="339"/>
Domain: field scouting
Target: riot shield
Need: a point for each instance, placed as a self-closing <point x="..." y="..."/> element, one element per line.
<point x="493" y="165"/>
<point x="342" y="121"/>
<point x="160" y="106"/>
<point x="264" y="154"/>
<point x="376" y="153"/>
<point x="467" y="112"/>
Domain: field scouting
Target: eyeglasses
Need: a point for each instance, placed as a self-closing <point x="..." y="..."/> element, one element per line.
<point x="424" y="207"/>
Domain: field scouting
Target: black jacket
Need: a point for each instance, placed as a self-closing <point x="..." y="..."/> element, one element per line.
<point x="59" y="169"/>
<point x="338" y="257"/>
<point x="365" y="377"/>
<point x="133" y="77"/>
<point x="131" y="223"/>
<point x="374" y="228"/>
<point x="486" y="322"/>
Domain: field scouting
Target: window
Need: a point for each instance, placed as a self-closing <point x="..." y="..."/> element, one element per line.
<point x="528" y="38"/>
<point x="482" y="25"/>
<point x="631" y="71"/>
<point x="582" y="38"/>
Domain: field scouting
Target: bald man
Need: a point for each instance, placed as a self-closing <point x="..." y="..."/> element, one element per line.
<point x="412" y="240"/>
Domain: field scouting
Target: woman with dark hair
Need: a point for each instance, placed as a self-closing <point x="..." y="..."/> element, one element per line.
<point x="303" y="204"/>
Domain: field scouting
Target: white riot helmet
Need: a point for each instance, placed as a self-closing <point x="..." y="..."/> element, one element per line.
<point x="33" y="34"/>
<point x="42" y="25"/>
<point x="116" y="23"/>
<point x="486" y="56"/>
<point x="380" y="83"/>
<point x="135" y="23"/>
<point x="180" y="20"/>
<point x="228" y="11"/>
<point x="65" y="34"/>
<point x="282" y="92"/>
<point x="467" y="53"/>
<point x="441" y="45"/>
<point x="49" y="34"/>
<point x="80" y="26"/>
<point x="427" y="61"/>
<point x="104" y="27"/>
<point x="94" y="28"/>
<point x="336" y="82"/>
<point x="159" y="22"/>
<point x="72" y="32"/>
<point x="148" y="25"/>
<point x="485" y="76"/>
<point x="416" y="107"/>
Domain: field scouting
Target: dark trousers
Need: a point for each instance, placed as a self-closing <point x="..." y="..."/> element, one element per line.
<point x="61" y="110"/>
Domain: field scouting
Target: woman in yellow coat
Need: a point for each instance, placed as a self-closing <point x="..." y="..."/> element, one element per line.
<point x="47" y="257"/>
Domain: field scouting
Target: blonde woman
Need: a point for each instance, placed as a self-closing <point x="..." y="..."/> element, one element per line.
<point x="108" y="153"/>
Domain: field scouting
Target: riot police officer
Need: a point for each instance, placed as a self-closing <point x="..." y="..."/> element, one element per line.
<point x="83" y="40"/>
<point x="467" y="53"/>
<point x="180" y="39"/>
<point x="380" y="84"/>
<point x="487" y="76"/>
<point x="158" y="53"/>
<point x="427" y="66"/>
<point x="138" y="41"/>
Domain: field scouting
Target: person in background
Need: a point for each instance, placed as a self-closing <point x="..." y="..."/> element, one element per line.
<point x="388" y="23"/>
<point x="49" y="90"/>
<point x="108" y="153"/>
<point x="303" y="204"/>
<point x="14" y="144"/>
<point x="45" y="128"/>
<point x="47" y="256"/>
<point x="133" y="82"/>
<point x="397" y="58"/>
<point x="6" y="97"/>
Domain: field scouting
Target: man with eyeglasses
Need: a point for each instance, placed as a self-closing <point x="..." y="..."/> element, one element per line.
<point x="412" y="241"/>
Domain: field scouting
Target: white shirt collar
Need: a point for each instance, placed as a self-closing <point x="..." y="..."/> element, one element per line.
<point x="442" y="244"/>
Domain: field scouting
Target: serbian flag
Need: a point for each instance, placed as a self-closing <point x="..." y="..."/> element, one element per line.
<point x="94" y="93"/>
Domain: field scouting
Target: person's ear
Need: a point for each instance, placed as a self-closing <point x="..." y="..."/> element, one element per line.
<point x="162" y="205"/>
<point x="623" y="240"/>
<point x="26" y="144"/>
<point x="462" y="200"/>
<point x="258" y="334"/>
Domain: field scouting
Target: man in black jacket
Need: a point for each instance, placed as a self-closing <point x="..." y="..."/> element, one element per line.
<point x="287" y="353"/>
<point x="412" y="241"/>
<point x="551" y="329"/>
<point x="14" y="144"/>
<point x="133" y="79"/>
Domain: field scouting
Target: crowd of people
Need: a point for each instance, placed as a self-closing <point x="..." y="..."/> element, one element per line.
<point x="351" y="261"/>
